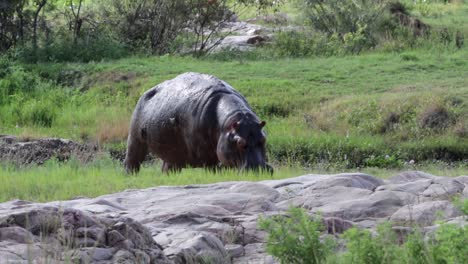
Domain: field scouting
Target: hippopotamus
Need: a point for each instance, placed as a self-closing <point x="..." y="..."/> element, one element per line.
<point x="196" y="120"/>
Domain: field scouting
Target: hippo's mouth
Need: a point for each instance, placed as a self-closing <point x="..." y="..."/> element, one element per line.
<point x="254" y="161"/>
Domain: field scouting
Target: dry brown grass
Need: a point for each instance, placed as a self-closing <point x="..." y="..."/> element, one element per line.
<point x="461" y="129"/>
<point x="111" y="131"/>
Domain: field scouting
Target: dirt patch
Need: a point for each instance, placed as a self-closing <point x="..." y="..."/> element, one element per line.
<point x="25" y="151"/>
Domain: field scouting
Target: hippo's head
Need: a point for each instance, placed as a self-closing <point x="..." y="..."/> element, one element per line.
<point x="242" y="145"/>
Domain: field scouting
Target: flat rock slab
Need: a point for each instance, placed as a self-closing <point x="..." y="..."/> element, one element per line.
<point x="215" y="222"/>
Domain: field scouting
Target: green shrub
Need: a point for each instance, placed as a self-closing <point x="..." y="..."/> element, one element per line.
<point x="416" y="249"/>
<point x="15" y="80"/>
<point x="449" y="244"/>
<point x="362" y="247"/>
<point x="352" y="21"/>
<point x="462" y="205"/>
<point x="295" y="238"/>
<point x="293" y="44"/>
<point x="40" y="113"/>
<point x="387" y="161"/>
<point x="64" y="49"/>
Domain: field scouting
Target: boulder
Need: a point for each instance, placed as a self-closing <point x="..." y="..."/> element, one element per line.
<point x="217" y="222"/>
<point x="72" y="234"/>
<point x="426" y="213"/>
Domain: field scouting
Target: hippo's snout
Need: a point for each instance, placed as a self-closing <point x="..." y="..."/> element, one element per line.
<point x="263" y="168"/>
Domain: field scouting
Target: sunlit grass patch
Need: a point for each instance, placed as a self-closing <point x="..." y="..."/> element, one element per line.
<point x="59" y="181"/>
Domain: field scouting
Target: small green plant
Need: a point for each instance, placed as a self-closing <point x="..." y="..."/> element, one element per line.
<point x="295" y="238"/>
<point x="387" y="161"/>
<point x="416" y="249"/>
<point x="462" y="205"/>
<point x="449" y="244"/>
<point x="363" y="247"/>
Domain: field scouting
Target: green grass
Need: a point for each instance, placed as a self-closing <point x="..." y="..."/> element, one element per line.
<point x="323" y="114"/>
<point x="58" y="181"/>
<point x="334" y="104"/>
<point x="61" y="181"/>
<point x="299" y="238"/>
<point x="439" y="15"/>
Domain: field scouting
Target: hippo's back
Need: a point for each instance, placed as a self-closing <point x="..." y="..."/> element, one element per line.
<point x="183" y="97"/>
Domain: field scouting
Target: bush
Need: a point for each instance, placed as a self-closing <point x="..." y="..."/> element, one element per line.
<point x="449" y="244"/>
<point x="293" y="44"/>
<point x="15" y="80"/>
<point x="64" y="49"/>
<point x="40" y="113"/>
<point x="351" y="21"/>
<point x="295" y="238"/>
<point x="362" y="247"/>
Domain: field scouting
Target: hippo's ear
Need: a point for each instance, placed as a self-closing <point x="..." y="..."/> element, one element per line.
<point x="262" y="124"/>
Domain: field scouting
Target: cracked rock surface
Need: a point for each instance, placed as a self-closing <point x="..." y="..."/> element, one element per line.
<point x="215" y="222"/>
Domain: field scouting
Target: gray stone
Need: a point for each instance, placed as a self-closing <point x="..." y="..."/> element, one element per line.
<point x="425" y="213"/>
<point x="415" y="187"/>
<point x="377" y="205"/>
<point x="462" y="179"/>
<point x="194" y="247"/>
<point x="362" y="181"/>
<point x="411" y="176"/>
<point x="244" y="29"/>
<point x="217" y="222"/>
<point x="256" y="189"/>
<point x="16" y="234"/>
<point x="99" y="254"/>
<point x="234" y="250"/>
<point x="444" y="188"/>
<point x="255" y="253"/>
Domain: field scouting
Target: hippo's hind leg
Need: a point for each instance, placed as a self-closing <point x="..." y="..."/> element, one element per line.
<point x="170" y="167"/>
<point x="136" y="153"/>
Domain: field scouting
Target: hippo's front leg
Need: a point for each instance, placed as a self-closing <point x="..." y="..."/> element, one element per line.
<point x="136" y="153"/>
<point x="170" y="167"/>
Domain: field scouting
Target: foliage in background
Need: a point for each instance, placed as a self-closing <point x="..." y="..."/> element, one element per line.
<point x="84" y="30"/>
<point x="340" y="111"/>
<point x="294" y="238"/>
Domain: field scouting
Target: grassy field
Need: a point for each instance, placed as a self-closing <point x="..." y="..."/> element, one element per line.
<point x="377" y="110"/>
<point x="60" y="181"/>
<point x="317" y="109"/>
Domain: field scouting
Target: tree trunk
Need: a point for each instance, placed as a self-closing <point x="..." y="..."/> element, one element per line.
<point x="19" y="11"/>
<point x="78" y="21"/>
<point x="40" y="5"/>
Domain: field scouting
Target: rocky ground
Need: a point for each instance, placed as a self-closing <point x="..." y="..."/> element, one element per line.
<point x="215" y="223"/>
<point x="22" y="151"/>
